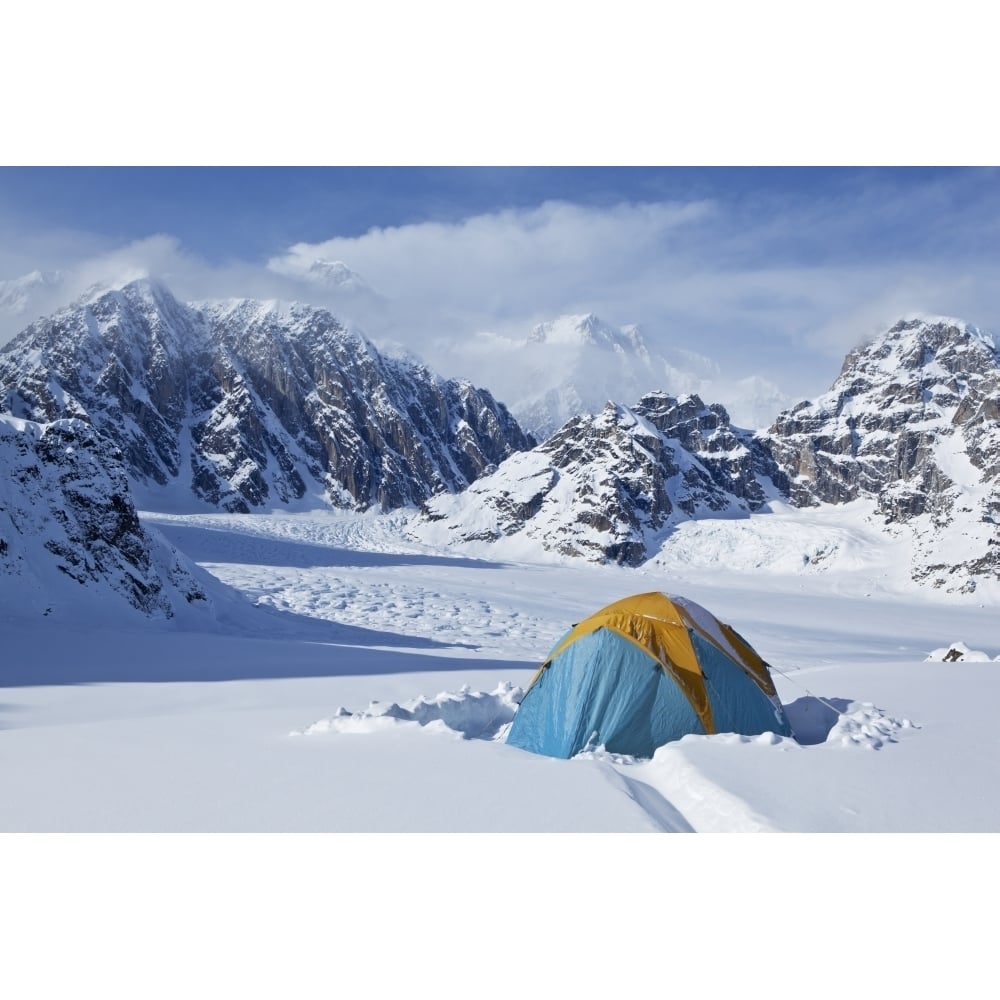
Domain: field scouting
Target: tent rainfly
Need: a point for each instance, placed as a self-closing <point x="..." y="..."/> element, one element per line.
<point x="641" y="672"/>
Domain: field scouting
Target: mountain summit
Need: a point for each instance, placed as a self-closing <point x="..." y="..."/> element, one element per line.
<point x="913" y="421"/>
<point x="608" y="487"/>
<point x="574" y="364"/>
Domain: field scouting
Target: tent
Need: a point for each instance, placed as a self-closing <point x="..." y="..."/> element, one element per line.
<point x="641" y="672"/>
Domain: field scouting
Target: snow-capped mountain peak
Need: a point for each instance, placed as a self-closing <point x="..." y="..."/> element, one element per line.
<point x="335" y="274"/>
<point x="912" y="420"/>
<point x="245" y="403"/>
<point x="586" y="330"/>
<point x="574" y="363"/>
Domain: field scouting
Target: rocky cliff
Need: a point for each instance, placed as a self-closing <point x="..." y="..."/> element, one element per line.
<point x="913" y="422"/>
<point x="244" y="404"/>
<point x="606" y="487"/>
<point x="66" y="514"/>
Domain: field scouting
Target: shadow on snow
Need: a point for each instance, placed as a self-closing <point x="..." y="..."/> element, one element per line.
<point x="78" y="656"/>
<point x="214" y="545"/>
<point x="812" y="719"/>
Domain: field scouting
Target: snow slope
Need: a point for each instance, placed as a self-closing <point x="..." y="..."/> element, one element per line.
<point x="366" y="690"/>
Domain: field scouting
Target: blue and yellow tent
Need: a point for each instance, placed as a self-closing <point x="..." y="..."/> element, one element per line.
<point x="641" y="672"/>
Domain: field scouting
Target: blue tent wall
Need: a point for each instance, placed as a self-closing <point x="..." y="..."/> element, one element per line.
<point x="629" y="705"/>
<point x="738" y="704"/>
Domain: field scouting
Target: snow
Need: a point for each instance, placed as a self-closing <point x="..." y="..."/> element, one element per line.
<point x="574" y="364"/>
<point x="364" y="688"/>
<point x="352" y="675"/>
<point x="363" y="685"/>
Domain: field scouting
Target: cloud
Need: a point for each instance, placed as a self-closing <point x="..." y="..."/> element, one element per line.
<point x="189" y="277"/>
<point x="782" y="286"/>
<point x="502" y="265"/>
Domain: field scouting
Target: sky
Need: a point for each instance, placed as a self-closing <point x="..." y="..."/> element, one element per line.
<point x="772" y="271"/>
<point x="775" y="272"/>
<point x="481" y="181"/>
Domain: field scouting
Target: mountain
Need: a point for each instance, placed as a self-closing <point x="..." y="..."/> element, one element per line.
<point x="17" y="294"/>
<point x="335" y="286"/>
<point x="573" y="365"/>
<point x="245" y="404"/>
<point x="67" y="519"/>
<point x="608" y="487"/>
<point x="912" y="421"/>
<point x="911" y="427"/>
<point x="576" y="363"/>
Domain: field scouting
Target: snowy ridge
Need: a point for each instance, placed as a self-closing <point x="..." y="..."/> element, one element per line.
<point x="70" y="539"/>
<point x="913" y="420"/>
<point x="612" y="486"/>
<point x="244" y="405"/>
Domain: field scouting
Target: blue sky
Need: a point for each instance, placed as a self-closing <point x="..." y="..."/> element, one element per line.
<point x="768" y="272"/>
<point x="247" y="212"/>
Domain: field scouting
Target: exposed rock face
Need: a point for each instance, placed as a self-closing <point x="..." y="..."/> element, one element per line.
<point x="606" y="487"/>
<point x="736" y="462"/>
<point x="913" y="420"/>
<point x="65" y="507"/>
<point x="248" y="404"/>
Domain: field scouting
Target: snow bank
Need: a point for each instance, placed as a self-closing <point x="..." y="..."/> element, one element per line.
<point x="471" y="714"/>
<point x="487" y="716"/>
<point x="868" y="727"/>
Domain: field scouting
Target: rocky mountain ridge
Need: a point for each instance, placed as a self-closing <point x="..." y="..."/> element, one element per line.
<point x="245" y="404"/>
<point x="66" y="514"/>
<point x="608" y="486"/>
<point x="911" y="423"/>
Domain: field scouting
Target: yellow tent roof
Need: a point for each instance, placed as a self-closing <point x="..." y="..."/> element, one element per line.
<point x="661" y="625"/>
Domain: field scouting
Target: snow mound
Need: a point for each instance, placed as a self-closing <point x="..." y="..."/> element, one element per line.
<point x="761" y="739"/>
<point x="868" y="727"/>
<point x="600" y="752"/>
<point x="958" y="652"/>
<point x="472" y="714"/>
<point x="860" y="724"/>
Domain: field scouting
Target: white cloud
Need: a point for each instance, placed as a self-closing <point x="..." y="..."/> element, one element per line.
<point x="492" y="265"/>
